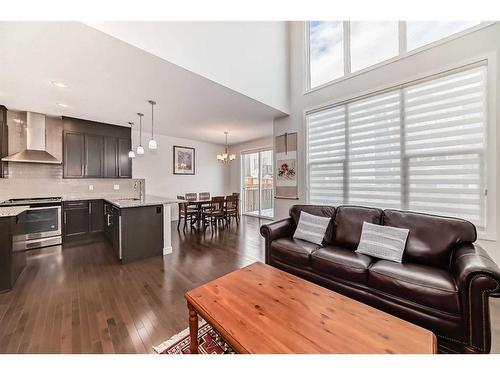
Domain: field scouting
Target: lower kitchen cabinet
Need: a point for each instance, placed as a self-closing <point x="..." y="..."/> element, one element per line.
<point x="96" y="216"/>
<point x="12" y="260"/>
<point x="82" y="218"/>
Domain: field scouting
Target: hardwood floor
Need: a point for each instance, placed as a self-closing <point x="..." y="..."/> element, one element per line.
<point x="80" y="299"/>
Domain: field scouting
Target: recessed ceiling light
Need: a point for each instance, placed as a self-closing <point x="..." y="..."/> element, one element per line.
<point x="62" y="105"/>
<point x="59" y="84"/>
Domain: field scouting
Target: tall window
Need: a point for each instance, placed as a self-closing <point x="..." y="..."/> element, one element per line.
<point x="419" y="147"/>
<point x="369" y="43"/>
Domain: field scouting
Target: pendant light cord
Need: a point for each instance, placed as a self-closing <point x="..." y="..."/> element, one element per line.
<point x="152" y="121"/>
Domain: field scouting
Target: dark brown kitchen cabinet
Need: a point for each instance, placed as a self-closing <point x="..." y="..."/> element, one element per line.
<point x="124" y="162"/>
<point x="94" y="156"/>
<point x="4" y="138"/>
<point x="110" y="157"/>
<point x="95" y="150"/>
<point x="12" y="260"/>
<point x="74" y="155"/>
<point x="75" y="219"/>
<point x="82" y="218"/>
<point x="96" y="216"/>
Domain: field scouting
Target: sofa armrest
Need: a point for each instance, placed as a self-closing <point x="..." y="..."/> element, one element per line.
<point x="477" y="277"/>
<point x="273" y="231"/>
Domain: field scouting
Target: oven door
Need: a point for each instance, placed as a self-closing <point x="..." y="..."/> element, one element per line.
<point x="40" y="222"/>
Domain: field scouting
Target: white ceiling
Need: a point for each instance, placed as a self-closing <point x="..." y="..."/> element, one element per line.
<point x="110" y="81"/>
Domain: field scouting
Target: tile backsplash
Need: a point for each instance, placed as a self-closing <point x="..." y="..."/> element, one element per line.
<point x="32" y="171"/>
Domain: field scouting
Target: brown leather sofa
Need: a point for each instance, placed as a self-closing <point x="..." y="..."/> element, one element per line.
<point x="443" y="283"/>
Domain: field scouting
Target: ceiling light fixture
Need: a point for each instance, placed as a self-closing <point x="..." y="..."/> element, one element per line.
<point x="59" y="84"/>
<point x="131" y="153"/>
<point x="140" y="149"/>
<point x="226" y="157"/>
<point x="62" y="105"/>
<point x="152" y="143"/>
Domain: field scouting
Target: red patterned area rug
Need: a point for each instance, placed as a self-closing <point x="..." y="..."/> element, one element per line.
<point x="209" y="342"/>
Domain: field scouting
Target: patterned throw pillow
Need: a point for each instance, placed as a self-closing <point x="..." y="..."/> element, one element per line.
<point x="382" y="241"/>
<point x="311" y="228"/>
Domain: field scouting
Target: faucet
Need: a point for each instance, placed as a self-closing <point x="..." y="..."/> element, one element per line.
<point x="139" y="183"/>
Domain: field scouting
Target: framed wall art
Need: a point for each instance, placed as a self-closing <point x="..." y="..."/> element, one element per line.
<point x="184" y="160"/>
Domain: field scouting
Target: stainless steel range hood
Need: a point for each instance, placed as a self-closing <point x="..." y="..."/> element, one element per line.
<point x="35" y="142"/>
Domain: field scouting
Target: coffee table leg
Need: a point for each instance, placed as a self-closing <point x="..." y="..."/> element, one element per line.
<point x="193" y="330"/>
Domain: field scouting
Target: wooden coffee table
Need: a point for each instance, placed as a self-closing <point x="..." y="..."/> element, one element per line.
<point x="260" y="309"/>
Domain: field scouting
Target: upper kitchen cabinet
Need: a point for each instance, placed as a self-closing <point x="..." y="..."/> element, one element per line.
<point x="124" y="162"/>
<point x="3" y="138"/>
<point x="74" y="155"/>
<point x="111" y="157"/>
<point x="95" y="150"/>
<point x="94" y="155"/>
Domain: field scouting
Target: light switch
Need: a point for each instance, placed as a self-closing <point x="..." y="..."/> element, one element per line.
<point x="116" y="187"/>
<point x="91" y="187"/>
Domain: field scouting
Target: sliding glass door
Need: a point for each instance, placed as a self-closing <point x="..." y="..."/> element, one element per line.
<point x="257" y="183"/>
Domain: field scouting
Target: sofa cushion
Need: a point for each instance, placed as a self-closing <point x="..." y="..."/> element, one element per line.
<point x="294" y="251"/>
<point x="349" y="222"/>
<point x="312" y="228"/>
<point x="423" y="285"/>
<point x="341" y="263"/>
<point x="383" y="242"/>
<point x="325" y="211"/>
<point x="432" y="239"/>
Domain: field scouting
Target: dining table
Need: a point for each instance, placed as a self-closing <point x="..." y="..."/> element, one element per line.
<point x="198" y="203"/>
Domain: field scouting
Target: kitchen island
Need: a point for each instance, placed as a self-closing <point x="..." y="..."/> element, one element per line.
<point x="137" y="228"/>
<point x="12" y="259"/>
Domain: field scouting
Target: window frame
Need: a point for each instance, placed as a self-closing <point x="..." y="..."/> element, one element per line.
<point x="403" y="53"/>
<point x="488" y="60"/>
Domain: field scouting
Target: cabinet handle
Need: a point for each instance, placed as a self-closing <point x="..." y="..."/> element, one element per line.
<point x="65" y="218"/>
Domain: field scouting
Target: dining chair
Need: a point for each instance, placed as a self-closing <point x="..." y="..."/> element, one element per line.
<point x="215" y="213"/>
<point x="232" y="209"/>
<point x="236" y="195"/>
<point x="204" y="196"/>
<point x="191" y="196"/>
<point x="186" y="213"/>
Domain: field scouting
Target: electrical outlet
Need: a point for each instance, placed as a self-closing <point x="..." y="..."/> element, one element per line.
<point x="91" y="187"/>
<point x="116" y="187"/>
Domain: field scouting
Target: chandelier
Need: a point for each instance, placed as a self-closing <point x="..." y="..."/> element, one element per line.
<point x="226" y="157"/>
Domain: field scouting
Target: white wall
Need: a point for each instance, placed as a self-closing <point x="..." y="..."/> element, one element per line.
<point x="484" y="42"/>
<point x="248" y="57"/>
<point x="234" y="170"/>
<point x="157" y="168"/>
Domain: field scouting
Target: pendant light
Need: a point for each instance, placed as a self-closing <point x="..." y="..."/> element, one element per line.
<point x="152" y="143"/>
<point x="226" y="157"/>
<point x="131" y="153"/>
<point x="140" y="149"/>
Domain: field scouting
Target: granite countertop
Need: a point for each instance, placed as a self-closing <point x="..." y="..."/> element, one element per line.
<point x="12" y="210"/>
<point x="148" y="200"/>
<point x="126" y="202"/>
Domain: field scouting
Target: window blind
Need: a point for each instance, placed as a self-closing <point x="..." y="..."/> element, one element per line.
<point x="445" y="128"/>
<point x="420" y="147"/>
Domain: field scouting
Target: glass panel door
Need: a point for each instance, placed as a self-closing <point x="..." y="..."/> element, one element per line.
<point x="266" y="183"/>
<point x="257" y="183"/>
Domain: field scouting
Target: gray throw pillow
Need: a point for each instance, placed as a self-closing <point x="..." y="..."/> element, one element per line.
<point x="382" y="241"/>
<point x="311" y="228"/>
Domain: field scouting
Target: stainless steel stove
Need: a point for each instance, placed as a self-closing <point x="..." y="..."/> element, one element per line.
<point x="40" y="224"/>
